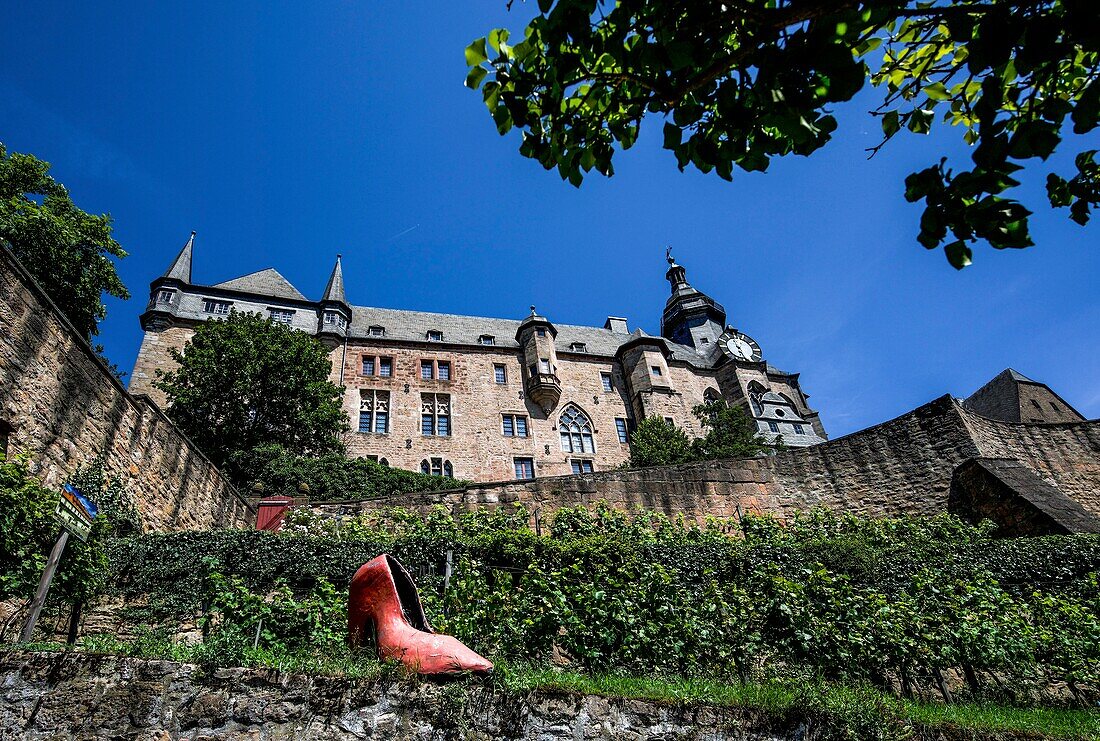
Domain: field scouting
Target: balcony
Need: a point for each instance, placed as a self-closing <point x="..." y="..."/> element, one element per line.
<point x="544" y="389"/>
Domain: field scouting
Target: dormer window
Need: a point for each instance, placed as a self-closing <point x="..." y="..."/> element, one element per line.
<point x="165" y="297"/>
<point x="487" y="339"/>
<point x="220" y="308"/>
<point x="376" y="331"/>
<point x="578" y="347"/>
<point x="434" y="335"/>
<point x="282" y="316"/>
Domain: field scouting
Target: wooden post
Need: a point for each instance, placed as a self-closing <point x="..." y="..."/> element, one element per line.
<point x="44" y="587"/>
<point x="447" y="566"/>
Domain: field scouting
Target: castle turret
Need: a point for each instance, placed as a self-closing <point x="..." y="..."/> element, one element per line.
<point x="540" y="360"/>
<point x="334" y="313"/>
<point x="644" y="359"/>
<point x="164" y="291"/>
<point x="691" y="317"/>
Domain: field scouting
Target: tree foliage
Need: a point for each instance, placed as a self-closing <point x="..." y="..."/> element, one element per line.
<point x="246" y="381"/>
<point x="28" y="530"/>
<point x="730" y="433"/>
<point x="658" y="442"/>
<point x="333" y="476"/>
<point x="738" y="83"/>
<point x="67" y="250"/>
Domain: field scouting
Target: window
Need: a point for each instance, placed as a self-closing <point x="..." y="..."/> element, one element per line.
<point x="544" y="365"/>
<point x="514" y="425"/>
<point x="374" y="411"/>
<point x="376" y="331"/>
<point x="620" y="429"/>
<point x="335" y="318"/>
<point x="799" y="429"/>
<point x="576" y="431"/>
<point x="541" y="331"/>
<point x="487" y="339"/>
<point x="384" y="462"/>
<point x="655" y="370"/>
<point x="525" y="468"/>
<point x="499" y="373"/>
<point x="605" y="379"/>
<point x="5" y="435"/>
<point x="670" y="421"/>
<point x="165" y="297"/>
<point x="1054" y="406"/>
<point x="377" y="366"/>
<point x="581" y="466"/>
<point x="282" y="316"/>
<point x="435" y="415"/>
<point x="438" y="369"/>
<point x="1036" y="405"/>
<point x="773" y="427"/>
<point x="434" y="335"/>
<point x="437" y="467"/>
<point x="220" y="308"/>
<point x="578" y="347"/>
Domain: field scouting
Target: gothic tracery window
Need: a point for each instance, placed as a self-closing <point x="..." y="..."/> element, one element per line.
<point x="576" y="431"/>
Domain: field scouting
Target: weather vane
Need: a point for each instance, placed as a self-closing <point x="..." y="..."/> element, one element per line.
<point x="668" y="255"/>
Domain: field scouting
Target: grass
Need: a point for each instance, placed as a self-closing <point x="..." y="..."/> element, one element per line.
<point x="858" y="712"/>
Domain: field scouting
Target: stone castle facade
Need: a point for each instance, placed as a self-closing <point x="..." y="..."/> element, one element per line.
<point x="494" y="399"/>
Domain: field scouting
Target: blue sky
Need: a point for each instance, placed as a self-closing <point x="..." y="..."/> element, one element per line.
<point x="287" y="132"/>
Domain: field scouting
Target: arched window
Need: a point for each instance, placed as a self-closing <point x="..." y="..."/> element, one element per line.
<point x="576" y="431"/>
<point x="711" y="395"/>
<point x="437" y="467"/>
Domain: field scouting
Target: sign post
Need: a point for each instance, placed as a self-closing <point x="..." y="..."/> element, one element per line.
<point x="75" y="512"/>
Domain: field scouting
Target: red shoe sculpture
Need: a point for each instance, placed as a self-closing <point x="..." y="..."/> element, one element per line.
<point x="383" y="601"/>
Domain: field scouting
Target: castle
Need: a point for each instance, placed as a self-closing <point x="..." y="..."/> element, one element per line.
<point x="495" y="399"/>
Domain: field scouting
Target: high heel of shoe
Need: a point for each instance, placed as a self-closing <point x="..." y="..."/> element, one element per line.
<point x="383" y="598"/>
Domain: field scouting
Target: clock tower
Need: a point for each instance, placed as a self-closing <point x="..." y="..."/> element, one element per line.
<point x="691" y="317"/>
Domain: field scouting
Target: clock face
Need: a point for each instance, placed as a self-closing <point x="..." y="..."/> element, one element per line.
<point x="739" y="346"/>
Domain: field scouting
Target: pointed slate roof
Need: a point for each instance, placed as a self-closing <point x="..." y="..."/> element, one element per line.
<point x="180" y="269"/>
<point x="266" y="282"/>
<point x="334" y="291"/>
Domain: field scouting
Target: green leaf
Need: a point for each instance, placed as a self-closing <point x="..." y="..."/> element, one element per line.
<point x="890" y="124"/>
<point x="958" y="254"/>
<point x="477" y="74"/>
<point x="672" y="136"/>
<point x="475" y="53"/>
<point x="937" y="91"/>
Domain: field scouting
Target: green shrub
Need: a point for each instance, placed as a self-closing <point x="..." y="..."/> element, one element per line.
<point x="334" y="476"/>
<point x="839" y="598"/>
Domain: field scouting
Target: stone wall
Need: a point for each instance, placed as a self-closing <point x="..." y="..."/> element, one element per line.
<point x="52" y="696"/>
<point x="65" y="409"/>
<point x="901" y="467"/>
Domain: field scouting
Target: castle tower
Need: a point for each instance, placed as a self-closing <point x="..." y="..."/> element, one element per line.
<point x="691" y="317"/>
<point x="334" y="313"/>
<point x="535" y="336"/>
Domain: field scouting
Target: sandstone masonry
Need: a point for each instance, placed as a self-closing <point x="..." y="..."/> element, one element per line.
<point x="62" y="406"/>
<point x="495" y="399"/>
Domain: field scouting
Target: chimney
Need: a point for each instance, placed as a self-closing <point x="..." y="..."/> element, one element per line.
<point x="616" y="324"/>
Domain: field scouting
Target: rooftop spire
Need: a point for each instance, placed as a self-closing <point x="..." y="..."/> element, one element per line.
<point x="334" y="291"/>
<point x="180" y="269"/>
<point x="676" y="275"/>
